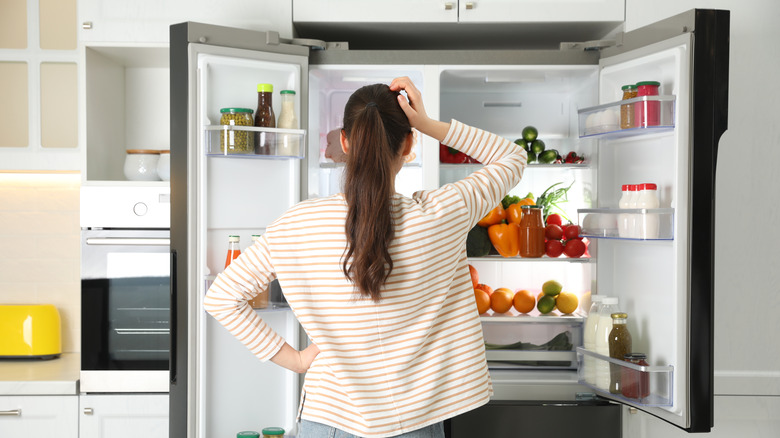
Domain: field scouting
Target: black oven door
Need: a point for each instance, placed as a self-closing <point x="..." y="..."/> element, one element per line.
<point x="125" y="300"/>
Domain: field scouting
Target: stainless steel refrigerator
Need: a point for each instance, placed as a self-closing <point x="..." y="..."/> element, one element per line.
<point x="665" y="282"/>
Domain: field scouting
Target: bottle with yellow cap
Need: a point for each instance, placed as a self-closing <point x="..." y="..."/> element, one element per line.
<point x="265" y="118"/>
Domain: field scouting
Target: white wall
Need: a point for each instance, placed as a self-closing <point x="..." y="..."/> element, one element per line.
<point x="747" y="273"/>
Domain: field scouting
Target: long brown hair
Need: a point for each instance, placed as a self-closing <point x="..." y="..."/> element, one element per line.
<point x="375" y="127"/>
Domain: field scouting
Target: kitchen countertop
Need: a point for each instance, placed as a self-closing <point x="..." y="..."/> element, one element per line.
<point x="41" y="377"/>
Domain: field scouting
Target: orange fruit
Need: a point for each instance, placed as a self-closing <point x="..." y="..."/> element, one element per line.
<point x="483" y="300"/>
<point x="524" y="301"/>
<point x="485" y="287"/>
<point x="501" y="300"/>
<point x="474" y="276"/>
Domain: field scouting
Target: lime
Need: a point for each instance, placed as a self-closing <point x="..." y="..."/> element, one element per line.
<point x="551" y="288"/>
<point x="548" y="156"/>
<point x="546" y="304"/>
<point x="537" y="147"/>
<point x="530" y="133"/>
<point x="523" y="143"/>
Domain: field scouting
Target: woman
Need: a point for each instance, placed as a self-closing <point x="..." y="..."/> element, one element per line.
<point x="379" y="281"/>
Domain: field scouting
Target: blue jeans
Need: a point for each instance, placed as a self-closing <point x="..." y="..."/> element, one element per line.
<point x="310" y="429"/>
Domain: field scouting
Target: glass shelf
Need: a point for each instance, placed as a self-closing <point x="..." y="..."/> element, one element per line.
<point x="561" y="259"/>
<point x="238" y="141"/>
<point x="641" y="385"/>
<point x="474" y="167"/>
<point x="647" y="223"/>
<point x="332" y="165"/>
<point x="655" y="115"/>
<point x="515" y="341"/>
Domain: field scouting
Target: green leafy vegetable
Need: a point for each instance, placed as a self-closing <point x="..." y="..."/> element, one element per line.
<point x="551" y="198"/>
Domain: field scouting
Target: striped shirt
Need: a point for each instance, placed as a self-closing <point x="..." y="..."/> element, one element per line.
<point x="415" y="358"/>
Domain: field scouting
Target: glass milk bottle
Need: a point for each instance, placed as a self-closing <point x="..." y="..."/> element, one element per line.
<point x="603" y="328"/>
<point x="589" y="337"/>
<point x="647" y="226"/>
<point x="288" y="145"/>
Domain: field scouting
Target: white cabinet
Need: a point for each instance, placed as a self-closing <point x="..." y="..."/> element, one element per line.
<point x="149" y="20"/>
<point x="443" y="11"/>
<point x="29" y="416"/>
<point x="123" y="416"/>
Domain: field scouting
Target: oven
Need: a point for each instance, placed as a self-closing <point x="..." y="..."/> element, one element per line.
<point x="125" y="298"/>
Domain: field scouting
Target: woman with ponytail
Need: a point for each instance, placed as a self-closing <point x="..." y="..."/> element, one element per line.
<point x="379" y="281"/>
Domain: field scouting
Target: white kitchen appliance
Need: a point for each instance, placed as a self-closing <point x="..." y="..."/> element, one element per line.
<point x="665" y="284"/>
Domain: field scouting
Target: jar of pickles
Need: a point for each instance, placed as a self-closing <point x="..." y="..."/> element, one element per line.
<point x="273" y="432"/>
<point x="627" y="111"/>
<point x="233" y="141"/>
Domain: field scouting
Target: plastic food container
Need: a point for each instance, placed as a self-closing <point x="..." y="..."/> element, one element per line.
<point x="141" y="165"/>
<point x="234" y="141"/>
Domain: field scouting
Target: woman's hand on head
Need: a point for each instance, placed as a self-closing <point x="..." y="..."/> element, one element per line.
<point x="415" y="111"/>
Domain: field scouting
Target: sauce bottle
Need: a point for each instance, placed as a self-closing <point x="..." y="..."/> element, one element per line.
<point x="627" y="111"/>
<point x="619" y="346"/>
<point x="260" y="301"/>
<point x="531" y="231"/>
<point x="265" y="118"/>
<point x="288" y="144"/>
<point x="233" y="249"/>
<point x="604" y="327"/>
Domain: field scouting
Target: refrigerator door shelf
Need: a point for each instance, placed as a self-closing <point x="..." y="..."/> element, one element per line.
<point x="276" y="301"/>
<point x="649" y="223"/>
<point x="233" y="140"/>
<point x="653" y="385"/>
<point x="647" y="114"/>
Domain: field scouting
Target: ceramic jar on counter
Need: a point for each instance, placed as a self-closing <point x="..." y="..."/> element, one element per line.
<point x="141" y="165"/>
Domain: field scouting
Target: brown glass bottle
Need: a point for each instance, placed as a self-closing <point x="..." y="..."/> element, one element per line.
<point x="265" y="118"/>
<point x="619" y="346"/>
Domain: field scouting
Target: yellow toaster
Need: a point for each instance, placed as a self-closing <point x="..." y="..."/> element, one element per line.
<point x="30" y="331"/>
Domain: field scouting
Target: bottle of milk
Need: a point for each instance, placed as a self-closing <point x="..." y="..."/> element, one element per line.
<point x="589" y="337"/>
<point x="624" y="219"/>
<point x="647" y="227"/>
<point x="609" y="305"/>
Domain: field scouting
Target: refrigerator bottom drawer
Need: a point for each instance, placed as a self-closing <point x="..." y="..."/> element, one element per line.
<point x="508" y="419"/>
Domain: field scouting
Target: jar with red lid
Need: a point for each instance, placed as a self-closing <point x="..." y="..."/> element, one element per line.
<point x="647" y="112"/>
<point x="531" y="231"/>
<point x="635" y="383"/>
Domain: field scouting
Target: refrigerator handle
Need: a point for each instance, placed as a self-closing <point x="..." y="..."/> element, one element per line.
<point x="172" y="321"/>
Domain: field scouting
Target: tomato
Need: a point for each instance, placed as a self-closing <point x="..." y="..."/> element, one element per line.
<point x="571" y="231"/>
<point x="553" y="232"/>
<point x="555" y="219"/>
<point x="553" y="248"/>
<point x="574" y="248"/>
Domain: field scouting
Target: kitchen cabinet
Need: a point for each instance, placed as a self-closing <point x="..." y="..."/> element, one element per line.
<point x="147" y="21"/>
<point x="478" y="11"/>
<point x="123" y="416"/>
<point x="27" y="416"/>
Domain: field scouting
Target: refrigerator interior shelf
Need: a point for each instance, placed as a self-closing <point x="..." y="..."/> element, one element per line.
<point x="561" y="259"/>
<point x="238" y="141"/>
<point x="641" y="385"/>
<point x="333" y="165"/>
<point x="648" y="114"/>
<point x="647" y="223"/>
<point x="536" y="360"/>
<point x="475" y="167"/>
<point x="533" y="317"/>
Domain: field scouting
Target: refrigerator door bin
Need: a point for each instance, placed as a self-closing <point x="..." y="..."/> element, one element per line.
<point x="276" y="300"/>
<point x="647" y="385"/>
<point x="648" y="114"/>
<point x="532" y="341"/>
<point x="223" y="140"/>
<point x="648" y="223"/>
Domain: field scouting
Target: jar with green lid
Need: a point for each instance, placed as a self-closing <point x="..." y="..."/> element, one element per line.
<point x="233" y="141"/>
<point x="248" y="434"/>
<point x="273" y="432"/>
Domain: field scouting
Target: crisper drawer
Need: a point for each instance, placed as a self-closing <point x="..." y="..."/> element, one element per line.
<point x="532" y="342"/>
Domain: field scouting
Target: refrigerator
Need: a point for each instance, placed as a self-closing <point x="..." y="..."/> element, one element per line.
<point x="572" y="96"/>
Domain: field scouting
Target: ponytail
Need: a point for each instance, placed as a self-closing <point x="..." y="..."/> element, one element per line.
<point x="376" y="128"/>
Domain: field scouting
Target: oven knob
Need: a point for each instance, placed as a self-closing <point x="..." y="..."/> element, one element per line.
<point x="140" y="209"/>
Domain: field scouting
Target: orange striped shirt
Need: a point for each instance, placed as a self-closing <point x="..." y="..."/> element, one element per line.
<point x="415" y="358"/>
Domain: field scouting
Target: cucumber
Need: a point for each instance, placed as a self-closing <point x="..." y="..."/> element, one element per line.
<point x="548" y="156"/>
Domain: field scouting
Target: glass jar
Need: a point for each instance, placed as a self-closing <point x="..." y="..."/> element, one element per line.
<point x="265" y="118"/>
<point x="273" y="432"/>
<point x="627" y="111"/>
<point x="141" y="165"/>
<point x="531" y="231"/>
<point x="619" y="346"/>
<point x="236" y="142"/>
<point x="635" y="383"/>
<point x="288" y="144"/>
<point x="648" y="112"/>
<point x="248" y="434"/>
